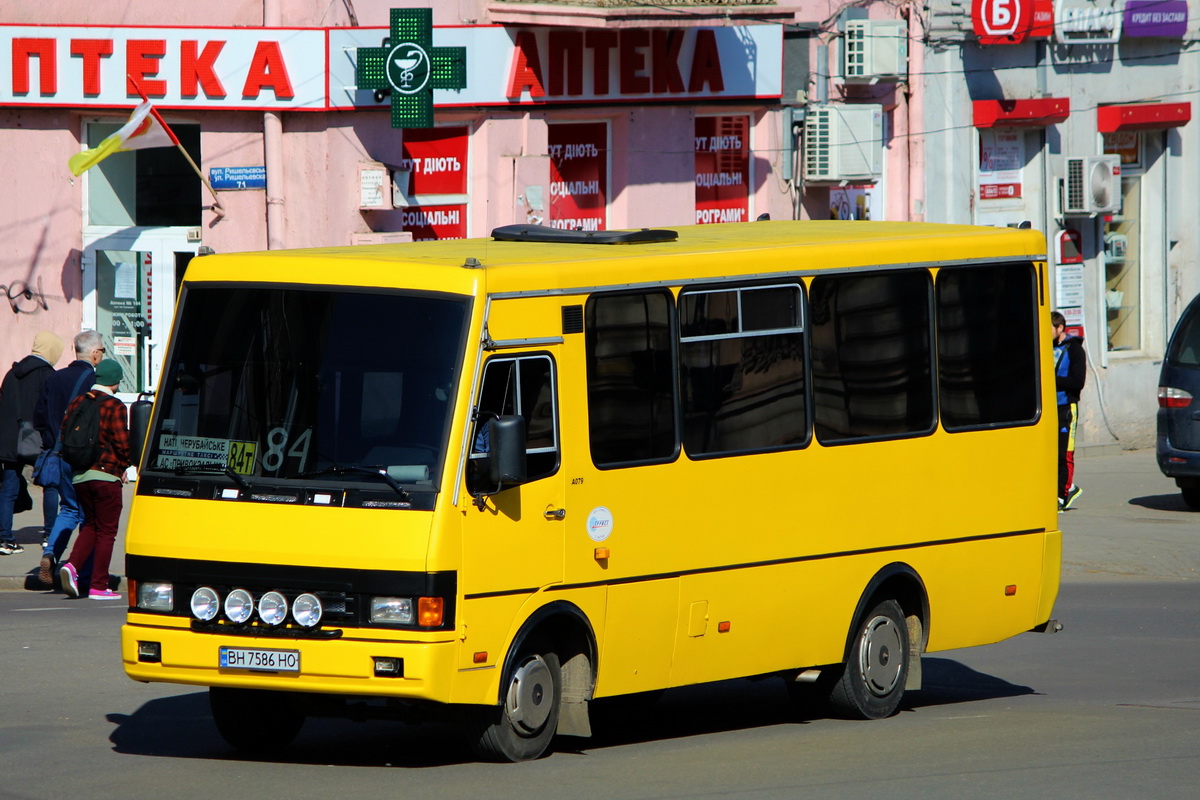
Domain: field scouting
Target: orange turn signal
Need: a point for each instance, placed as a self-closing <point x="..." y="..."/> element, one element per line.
<point x="601" y="553"/>
<point x="429" y="611"/>
<point x="723" y="627"/>
<point x="480" y="657"/>
<point x="1010" y="590"/>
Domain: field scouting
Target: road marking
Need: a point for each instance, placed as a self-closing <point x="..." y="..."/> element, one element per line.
<point x="56" y="608"/>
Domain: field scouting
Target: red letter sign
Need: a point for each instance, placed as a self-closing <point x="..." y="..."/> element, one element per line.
<point x="1001" y="21"/>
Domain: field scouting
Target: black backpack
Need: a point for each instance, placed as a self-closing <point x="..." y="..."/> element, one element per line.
<point x="80" y="443"/>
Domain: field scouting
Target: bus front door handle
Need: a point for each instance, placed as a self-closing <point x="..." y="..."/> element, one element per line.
<point x="555" y="513"/>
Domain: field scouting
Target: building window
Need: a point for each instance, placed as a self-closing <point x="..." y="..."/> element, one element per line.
<point x="741" y="373"/>
<point x="145" y="188"/>
<point x="987" y="346"/>
<point x="578" y="175"/>
<point x="872" y="364"/>
<point x="631" y="378"/>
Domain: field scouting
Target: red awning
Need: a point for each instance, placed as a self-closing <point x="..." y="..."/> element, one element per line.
<point x="1142" y="116"/>
<point x="1035" y="112"/>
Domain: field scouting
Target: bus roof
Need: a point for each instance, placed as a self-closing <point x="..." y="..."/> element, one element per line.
<point x="469" y="266"/>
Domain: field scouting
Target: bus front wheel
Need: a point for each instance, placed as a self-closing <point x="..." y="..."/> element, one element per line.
<point x="523" y="726"/>
<point x="873" y="677"/>
<point x="254" y="720"/>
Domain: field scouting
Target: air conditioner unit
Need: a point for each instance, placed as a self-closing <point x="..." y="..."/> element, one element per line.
<point x="843" y="143"/>
<point x="1092" y="185"/>
<point x="874" y="50"/>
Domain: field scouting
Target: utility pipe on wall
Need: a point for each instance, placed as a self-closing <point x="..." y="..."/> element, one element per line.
<point x="273" y="149"/>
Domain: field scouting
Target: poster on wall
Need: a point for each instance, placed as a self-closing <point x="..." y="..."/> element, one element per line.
<point x="578" y="175"/>
<point x="433" y="170"/>
<point x="722" y="169"/>
<point x="854" y="202"/>
<point x="1001" y="156"/>
<point x="435" y="222"/>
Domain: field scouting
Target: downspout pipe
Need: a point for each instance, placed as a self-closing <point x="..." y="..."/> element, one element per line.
<point x="915" y="107"/>
<point x="273" y="149"/>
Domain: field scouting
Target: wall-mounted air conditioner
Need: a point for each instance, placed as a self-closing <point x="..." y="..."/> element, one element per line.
<point x="1092" y="185"/>
<point x="843" y="143"/>
<point x="875" y="50"/>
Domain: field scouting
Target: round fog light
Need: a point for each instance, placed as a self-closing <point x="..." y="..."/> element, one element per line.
<point x="272" y="608"/>
<point x="239" y="605"/>
<point x="306" y="610"/>
<point x="205" y="603"/>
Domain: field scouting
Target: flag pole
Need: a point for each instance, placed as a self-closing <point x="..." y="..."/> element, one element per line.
<point x="216" y="203"/>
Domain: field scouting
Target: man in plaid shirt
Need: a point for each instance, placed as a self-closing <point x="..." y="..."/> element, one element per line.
<point x="99" y="488"/>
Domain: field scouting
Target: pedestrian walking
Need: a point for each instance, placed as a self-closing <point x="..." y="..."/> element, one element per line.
<point x="57" y="393"/>
<point x="1070" y="374"/>
<point x="20" y="443"/>
<point x="99" y="487"/>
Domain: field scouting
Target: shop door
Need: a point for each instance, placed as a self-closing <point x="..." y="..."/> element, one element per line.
<point x="130" y="283"/>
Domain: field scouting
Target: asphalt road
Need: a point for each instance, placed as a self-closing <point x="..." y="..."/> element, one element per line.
<point x="1109" y="708"/>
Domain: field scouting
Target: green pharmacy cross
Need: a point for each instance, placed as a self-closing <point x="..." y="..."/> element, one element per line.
<point x="410" y="67"/>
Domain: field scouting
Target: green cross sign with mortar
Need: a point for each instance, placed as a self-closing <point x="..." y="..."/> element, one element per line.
<point x="410" y="67"/>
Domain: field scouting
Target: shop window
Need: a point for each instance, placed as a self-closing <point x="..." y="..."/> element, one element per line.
<point x="742" y="369"/>
<point x="578" y="175"/>
<point x="1122" y="269"/>
<point x="145" y="188"/>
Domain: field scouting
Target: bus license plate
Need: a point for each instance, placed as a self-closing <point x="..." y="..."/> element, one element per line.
<point x="267" y="660"/>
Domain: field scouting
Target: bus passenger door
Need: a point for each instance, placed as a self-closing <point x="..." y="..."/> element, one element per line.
<point x="512" y="538"/>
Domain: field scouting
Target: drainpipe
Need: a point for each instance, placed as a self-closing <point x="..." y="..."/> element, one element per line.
<point x="273" y="149"/>
<point x="916" y="113"/>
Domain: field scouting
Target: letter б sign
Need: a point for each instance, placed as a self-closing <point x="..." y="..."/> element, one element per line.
<point x="410" y="67"/>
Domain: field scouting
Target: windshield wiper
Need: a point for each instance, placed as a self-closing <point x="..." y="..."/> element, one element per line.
<point x="214" y="469"/>
<point x="355" y="469"/>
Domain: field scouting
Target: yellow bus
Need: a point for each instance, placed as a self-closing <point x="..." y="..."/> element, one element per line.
<point x="493" y="480"/>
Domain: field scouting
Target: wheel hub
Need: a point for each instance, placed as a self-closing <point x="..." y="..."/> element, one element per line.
<point x="880" y="670"/>
<point x="528" y="702"/>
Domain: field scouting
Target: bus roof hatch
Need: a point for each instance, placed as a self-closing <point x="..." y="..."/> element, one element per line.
<point x="548" y="235"/>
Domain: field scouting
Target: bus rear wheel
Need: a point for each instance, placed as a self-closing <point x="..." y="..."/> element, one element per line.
<point x="522" y="728"/>
<point x="872" y="680"/>
<point x="254" y="720"/>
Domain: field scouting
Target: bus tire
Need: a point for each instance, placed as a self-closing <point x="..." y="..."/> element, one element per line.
<point x="253" y="720"/>
<point x="522" y="727"/>
<point x="876" y="669"/>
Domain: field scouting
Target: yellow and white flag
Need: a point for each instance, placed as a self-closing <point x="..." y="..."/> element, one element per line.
<point x="144" y="129"/>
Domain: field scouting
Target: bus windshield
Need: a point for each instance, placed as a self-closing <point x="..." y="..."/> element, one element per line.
<point x="278" y="384"/>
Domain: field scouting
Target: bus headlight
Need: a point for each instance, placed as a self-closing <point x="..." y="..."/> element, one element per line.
<point x="307" y="610"/>
<point x="272" y="608"/>
<point x="205" y="603"/>
<point x="392" y="610"/>
<point x="156" y="596"/>
<point x="239" y="605"/>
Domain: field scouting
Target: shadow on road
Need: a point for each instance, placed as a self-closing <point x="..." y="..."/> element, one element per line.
<point x="1163" y="502"/>
<point x="182" y="727"/>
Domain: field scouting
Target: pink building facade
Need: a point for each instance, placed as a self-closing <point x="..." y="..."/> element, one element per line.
<point x="570" y="115"/>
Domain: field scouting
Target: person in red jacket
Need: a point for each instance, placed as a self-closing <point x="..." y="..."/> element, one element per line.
<point x="99" y="488"/>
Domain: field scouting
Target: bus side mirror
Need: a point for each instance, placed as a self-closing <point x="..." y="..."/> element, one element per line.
<point x="139" y="425"/>
<point x="506" y="457"/>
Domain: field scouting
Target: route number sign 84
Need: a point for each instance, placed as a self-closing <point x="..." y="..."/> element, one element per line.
<point x="1001" y="21"/>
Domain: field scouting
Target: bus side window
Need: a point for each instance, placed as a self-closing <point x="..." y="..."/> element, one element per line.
<point x="522" y="386"/>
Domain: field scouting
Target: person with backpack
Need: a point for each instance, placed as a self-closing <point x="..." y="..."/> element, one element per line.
<point x="20" y="443"/>
<point x="95" y="444"/>
<point x="60" y="506"/>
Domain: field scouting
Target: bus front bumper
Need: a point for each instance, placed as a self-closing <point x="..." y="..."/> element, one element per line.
<point x="167" y="652"/>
